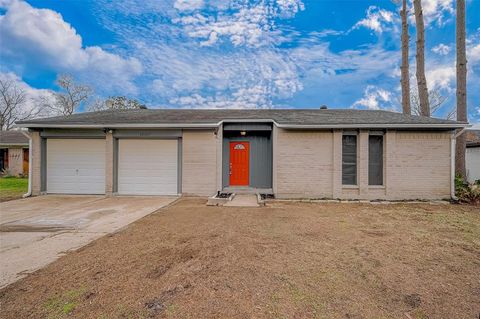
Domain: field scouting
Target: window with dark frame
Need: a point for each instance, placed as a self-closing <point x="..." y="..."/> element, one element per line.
<point x="349" y="160"/>
<point x="375" y="160"/>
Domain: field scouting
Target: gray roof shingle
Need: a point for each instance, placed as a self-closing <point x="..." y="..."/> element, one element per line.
<point x="473" y="138"/>
<point x="327" y="117"/>
<point x="13" y="138"/>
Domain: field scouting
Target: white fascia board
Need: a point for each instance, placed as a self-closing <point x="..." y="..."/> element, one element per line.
<point x="206" y="125"/>
<point x="215" y="125"/>
<point x="13" y="144"/>
<point x="379" y="126"/>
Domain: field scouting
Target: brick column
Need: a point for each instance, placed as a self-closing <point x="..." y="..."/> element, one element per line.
<point x="363" y="163"/>
<point x="36" y="162"/>
<point x="337" y="164"/>
<point x="390" y="139"/>
<point x="109" y="163"/>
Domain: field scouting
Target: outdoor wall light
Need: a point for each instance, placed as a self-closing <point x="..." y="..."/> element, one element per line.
<point x="243" y="133"/>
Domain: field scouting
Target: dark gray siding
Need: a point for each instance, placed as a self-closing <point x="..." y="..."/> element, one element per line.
<point x="72" y="133"/>
<point x="247" y="127"/>
<point x="260" y="159"/>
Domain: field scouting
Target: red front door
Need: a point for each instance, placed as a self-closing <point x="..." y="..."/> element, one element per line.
<point x="239" y="163"/>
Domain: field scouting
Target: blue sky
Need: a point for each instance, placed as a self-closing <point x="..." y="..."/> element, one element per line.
<point x="236" y="53"/>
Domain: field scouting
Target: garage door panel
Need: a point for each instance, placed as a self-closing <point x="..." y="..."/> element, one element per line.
<point x="153" y="175"/>
<point x="147" y="167"/>
<point x="76" y="166"/>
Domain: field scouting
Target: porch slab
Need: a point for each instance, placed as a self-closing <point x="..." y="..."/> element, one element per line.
<point x="247" y="190"/>
<point x="243" y="200"/>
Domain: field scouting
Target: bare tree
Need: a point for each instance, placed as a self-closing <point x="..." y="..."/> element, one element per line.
<point x="405" y="73"/>
<point x="13" y="104"/>
<point x="436" y="101"/>
<point x="461" y="86"/>
<point x="71" y="97"/>
<point x="116" y="103"/>
<point x="420" y="58"/>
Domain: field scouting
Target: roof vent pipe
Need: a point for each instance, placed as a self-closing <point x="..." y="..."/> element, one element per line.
<point x="323" y="107"/>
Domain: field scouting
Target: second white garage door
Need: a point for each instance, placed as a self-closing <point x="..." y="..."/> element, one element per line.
<point x="147" y="167"/>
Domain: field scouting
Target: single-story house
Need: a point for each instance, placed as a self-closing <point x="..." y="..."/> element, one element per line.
<point x="291" y="153"/>
<point x="472" y="156"/>
<point x="13" y="153"/>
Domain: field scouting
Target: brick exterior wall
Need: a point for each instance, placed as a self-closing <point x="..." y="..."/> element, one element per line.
<point x="199" y="162"/>
<point x="15" y="161"/>
<point x="421" y="166"/>
<point x="304" y="163"/>
<point x="308" y="165"/>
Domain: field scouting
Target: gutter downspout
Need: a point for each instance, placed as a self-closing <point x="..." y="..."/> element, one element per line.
<point x="29" y="192"/>
<point x="453" y="142"/>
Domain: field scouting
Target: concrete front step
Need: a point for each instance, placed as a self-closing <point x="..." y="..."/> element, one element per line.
<point x="243" y="200"/>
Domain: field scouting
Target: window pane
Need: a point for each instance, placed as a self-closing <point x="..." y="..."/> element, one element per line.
<point x="349" y="160"/>
<point x="375" y="160"/>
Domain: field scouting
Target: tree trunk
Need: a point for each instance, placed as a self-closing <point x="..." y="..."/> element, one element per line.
<point x="461" y="87"/>
<point x="405" y="77"/>
<point x="421" y="79"/>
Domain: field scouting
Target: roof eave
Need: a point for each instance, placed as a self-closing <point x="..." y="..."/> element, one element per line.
<point x="379" y="126"/>
<point x="13" y="144"/>
<point x="102" y="126"/>
<point x="280" y="125"/>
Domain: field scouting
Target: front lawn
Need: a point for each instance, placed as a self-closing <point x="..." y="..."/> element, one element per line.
<point x="12" y="188"/>
<point x="286" y="260"/>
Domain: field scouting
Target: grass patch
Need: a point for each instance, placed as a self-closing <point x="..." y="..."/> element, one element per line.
<point x="61" y="306"/>
<point x="12" y="188"/>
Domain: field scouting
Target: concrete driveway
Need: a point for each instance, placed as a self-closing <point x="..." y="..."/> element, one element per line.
<point x="36" y="231"/>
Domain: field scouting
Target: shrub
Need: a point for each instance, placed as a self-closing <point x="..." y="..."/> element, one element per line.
<point x="6" y="173"/>
<point x="467" y="193"/>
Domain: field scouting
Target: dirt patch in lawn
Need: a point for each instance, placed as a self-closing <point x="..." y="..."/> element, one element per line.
<point x="286" y="260"/>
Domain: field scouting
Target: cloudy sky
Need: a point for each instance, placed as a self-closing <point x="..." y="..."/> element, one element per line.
<point x="234" y="53"/>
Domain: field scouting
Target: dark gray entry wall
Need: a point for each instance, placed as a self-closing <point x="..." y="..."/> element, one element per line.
<point x="261" y="159"/>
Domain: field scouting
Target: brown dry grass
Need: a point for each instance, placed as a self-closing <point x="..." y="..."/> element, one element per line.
<point x="288" y="260"/>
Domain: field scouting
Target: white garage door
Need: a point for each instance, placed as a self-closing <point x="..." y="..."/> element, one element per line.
<point x="147" y="167"/>
<point x="76" y="166"/>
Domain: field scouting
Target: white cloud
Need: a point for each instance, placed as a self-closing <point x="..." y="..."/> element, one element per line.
<point x="242" y="23"/>
<point x="243" y="98"/>
<point x="183" y="74"/>
<point x="473" y="51"/>
<point x="188" y="5"/>
<point x="40" y="37"/>
<point x="441" y="49"/>
<point x="181" y="70"/>
<point x="438" y="11"/>
<point x="374" y="98"/>
<point x="6" y="3"/>
<point x="352" y="67"/>
<point x="187" y="73"/>
<point x="325" y="33"/>
<point x="378" y="20"/>
<point x="441" y="77"/>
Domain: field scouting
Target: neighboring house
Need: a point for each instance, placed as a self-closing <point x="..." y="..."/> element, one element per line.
<point x="13" y="153"/>
<point x="472" y="156"/>
<point x="348" y="154"/>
